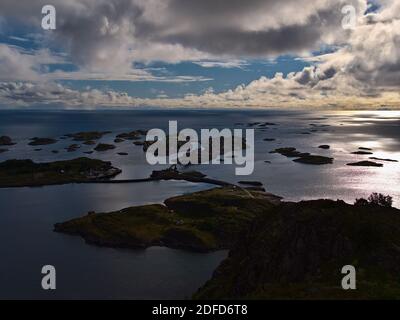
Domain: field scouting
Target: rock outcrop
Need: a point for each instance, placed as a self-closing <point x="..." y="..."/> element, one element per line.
<point x="297" y="251"/>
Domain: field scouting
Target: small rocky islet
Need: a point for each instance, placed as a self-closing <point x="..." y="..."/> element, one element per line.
<point x="314" y="159"/>
<point x="87" y="135"/>
<point x="301" y="157"/>
<point x="133" y="135"/>
<point x="324" y="146"/>
<point x="72" y="147"/>
<point x="104" y="147"/>
<point x="382" y="159"/>
<point x="42" y="141"/>
<point x="365" y="164"/>
<point x="6" y="141"/>
<point x="361" y="152"/>
<point x="89" y="142"/>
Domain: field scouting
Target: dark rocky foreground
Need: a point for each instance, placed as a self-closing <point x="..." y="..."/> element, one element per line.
<point x="26" y="173"/>
<point x="297" y="251"/>
<point x="278" y="250"/>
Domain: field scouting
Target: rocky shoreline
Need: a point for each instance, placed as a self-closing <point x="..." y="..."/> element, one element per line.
<point x="203" y="221"/>
<point x="26" y="173"/>
<point x="278" y="250"/>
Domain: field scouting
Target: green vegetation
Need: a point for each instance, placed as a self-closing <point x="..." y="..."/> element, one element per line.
<point x="297" y="251"/>
<point x="376" y="199"/>
<point x="20" y="173"/>
<point x="203" y="221"/>
<point x="277" y="250"/>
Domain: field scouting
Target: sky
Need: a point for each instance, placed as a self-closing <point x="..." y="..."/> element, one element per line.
<point x="201" y="54"/>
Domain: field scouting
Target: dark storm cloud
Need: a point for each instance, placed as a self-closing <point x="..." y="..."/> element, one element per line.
<point x="92" y="31"/>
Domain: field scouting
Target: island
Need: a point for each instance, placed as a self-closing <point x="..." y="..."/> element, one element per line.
<point x="362" y="152"/>
<point x="313" y="159"/>
<point x="203" y="221"/>
<point x="133" y="135"/>
<point x="365" y="149"/>
<point x="381" y="159"/>
<point x="324" y="146"/>
<point x="26" y="173"/>
<point x="104" y="147"/>
<point x="289" y="152"/>
<point x="6" y="141"/>
<point x="41" y="141"/>
<point x="89" y="142"/>
<point x="277" y="249"/>
<point x="87" y="136"/>
<point x="365" y="164"/>
<point x="72" y="147"/>
<point x="301" y="157"/>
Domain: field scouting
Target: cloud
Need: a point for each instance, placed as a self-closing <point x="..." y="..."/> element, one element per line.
<point x="17" y="63"/>
<point x="222" y="64"/>
<point x="104" y="37"/>
<point x="113" y="33"/>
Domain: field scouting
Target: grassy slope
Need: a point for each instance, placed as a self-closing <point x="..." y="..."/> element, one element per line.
<point x="202" y="221"/>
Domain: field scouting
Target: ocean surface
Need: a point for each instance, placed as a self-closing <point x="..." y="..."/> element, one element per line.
<point x="27" y="215"/>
